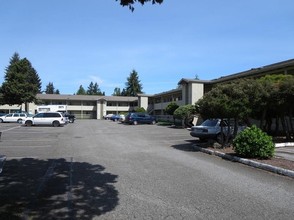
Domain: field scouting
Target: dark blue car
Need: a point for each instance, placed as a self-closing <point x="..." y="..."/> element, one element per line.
<point x="140" y="118"/>
<point x="115" y="117"/>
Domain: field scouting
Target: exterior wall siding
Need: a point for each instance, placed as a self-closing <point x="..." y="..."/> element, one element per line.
<point x="189" y="92"/>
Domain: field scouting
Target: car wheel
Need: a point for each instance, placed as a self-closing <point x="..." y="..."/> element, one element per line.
<point x="1" y="120"/>
<point x="71" y="120"/>
<point x="135" y="123"/>
<point x="19" y="121"/>
<point x="153" y="122"/>
<point x="28" y="123"/>
<point x="55" y="123"/>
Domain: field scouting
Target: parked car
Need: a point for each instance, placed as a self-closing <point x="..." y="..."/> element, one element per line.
<point x="46" y="118"/>
<point x="2" y="114"/>
<point x="122" y="118"/>
<point x="139" y="118"/>
<point x="70" y="118"/>
<point x="107" y="117"/>
<point x="211" y="129"/>
<point x="13" y="117"/>
<point x="114" y="117"/>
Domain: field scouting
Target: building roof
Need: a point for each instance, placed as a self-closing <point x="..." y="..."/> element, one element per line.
<point x="257" y="72"/>
<point x="86" y="97"/>
<point x="254" y="72"/>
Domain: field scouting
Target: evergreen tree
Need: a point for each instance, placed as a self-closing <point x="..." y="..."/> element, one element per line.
<point x="32" y="75"/>
<point x="90" y="90"/>
<point x="50" y="88"/>
<point x="22" y="82"/>
<point x="123" y="92"/>
<point x="93" y="89"/>
<point x="130" y="3"/>
<point x="116" y="92"/>
<point x="96" y="89"/>
<point x="133" y="85"/>
<point x="57" y="91"/>
<point x="81" y="91"/>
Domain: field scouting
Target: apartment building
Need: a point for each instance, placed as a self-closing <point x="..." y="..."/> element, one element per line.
<point x="188" y="92"/>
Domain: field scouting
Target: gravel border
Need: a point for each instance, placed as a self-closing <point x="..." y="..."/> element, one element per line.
<point x="252" y="163"/>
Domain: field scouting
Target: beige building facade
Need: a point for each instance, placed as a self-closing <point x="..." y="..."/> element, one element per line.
<point x="189" y="91"/>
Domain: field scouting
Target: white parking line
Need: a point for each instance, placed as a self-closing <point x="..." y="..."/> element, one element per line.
<point x="10" y="128"/>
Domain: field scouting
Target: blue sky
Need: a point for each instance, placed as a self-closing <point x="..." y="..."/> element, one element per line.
<point x="74" y="42"/>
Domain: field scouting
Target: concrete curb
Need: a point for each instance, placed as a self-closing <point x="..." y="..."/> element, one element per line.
<point x="252" y="163"/>
<point x="287" y="144"/>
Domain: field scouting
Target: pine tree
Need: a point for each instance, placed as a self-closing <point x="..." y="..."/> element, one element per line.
<point x="93" y="89"/>
<point x="50" y="88"/>
<point x="133" y="85"/>
<point x="22" y="82"/>
<point x="116" y="92"/>
<point x="90" y="90"/>
<point x="81" y="91"/>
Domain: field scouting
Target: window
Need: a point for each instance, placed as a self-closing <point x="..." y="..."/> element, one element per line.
<point x="40" y="115"/>
<point x="52" y="115"/>
<point x="111" y="104"/>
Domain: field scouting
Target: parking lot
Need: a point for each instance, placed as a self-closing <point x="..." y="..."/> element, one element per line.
<point x="96" y="169"/>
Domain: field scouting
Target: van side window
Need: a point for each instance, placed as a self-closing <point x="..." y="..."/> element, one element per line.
<point x="40" y="115"/>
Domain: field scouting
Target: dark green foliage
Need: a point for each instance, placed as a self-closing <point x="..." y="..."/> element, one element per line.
<point x="279" y="103"/>
<point x="140" y="109"/>
<point x="133" y="85"/>
<point x="50" y="89"/>
<point x="81" y="91"/>
<point x="93" y="89"/>
<point x="264" y="99"/>
<point x="185" y="113"/>
<point x="116" y="92"/>
<point x="254" y="143"/>
<point x="171" y="107"/>
<point x="225" y="101"/>
<point x="130" y="3"/>
<point x="22" y="82"/>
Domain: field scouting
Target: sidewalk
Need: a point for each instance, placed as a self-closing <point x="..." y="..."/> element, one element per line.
<point x="284" y="152"/>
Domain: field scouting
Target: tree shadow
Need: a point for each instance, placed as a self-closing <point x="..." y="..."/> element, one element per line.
<point x="55" y="189"/>
<point x="184" y="147"/>
<point x="187" y="146"/>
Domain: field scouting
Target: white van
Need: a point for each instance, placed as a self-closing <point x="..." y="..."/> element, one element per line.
<point x="46" y="118"/>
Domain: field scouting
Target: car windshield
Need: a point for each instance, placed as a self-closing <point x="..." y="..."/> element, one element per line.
<point x="210" y="123"/>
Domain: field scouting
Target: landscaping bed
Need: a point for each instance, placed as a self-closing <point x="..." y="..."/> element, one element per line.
<point x="274" y="161"/>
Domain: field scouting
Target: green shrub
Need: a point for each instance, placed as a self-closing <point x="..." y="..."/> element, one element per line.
<point x="253" y="142"/>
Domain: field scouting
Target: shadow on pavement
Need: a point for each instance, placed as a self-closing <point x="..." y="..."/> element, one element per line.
<point x="55" y="189"/>
<point x="185" y="146"/>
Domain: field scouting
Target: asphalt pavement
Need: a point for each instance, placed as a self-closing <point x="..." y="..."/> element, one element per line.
<point x="105" y="170"/>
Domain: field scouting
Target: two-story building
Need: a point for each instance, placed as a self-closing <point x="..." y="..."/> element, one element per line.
<point x="188" y="92"/>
